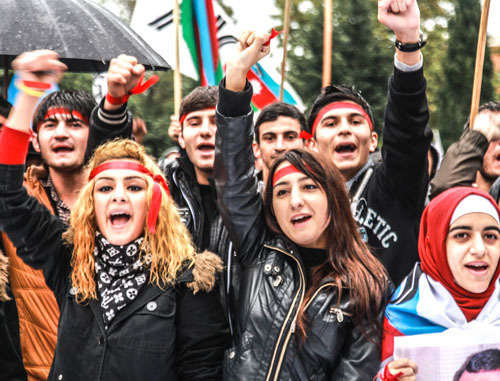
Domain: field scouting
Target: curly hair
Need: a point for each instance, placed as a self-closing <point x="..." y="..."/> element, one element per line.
<point x="170" y="246"/>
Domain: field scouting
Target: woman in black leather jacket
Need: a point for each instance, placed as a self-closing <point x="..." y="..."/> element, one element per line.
<point x="312" y="295"/>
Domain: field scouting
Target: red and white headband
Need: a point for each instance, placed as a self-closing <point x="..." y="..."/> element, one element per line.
<point x="183" y="116"/>
<point x="333" y="106"/>
<point x="154" y="208"/>
<point x="62" y="113"/>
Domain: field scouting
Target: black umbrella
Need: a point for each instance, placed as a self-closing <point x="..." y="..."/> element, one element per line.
<point x="86" y="35"/>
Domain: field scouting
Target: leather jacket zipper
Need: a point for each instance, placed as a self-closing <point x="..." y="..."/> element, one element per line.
<point x="317" y="292"/>
<point x="333" y="310"/>
<point x="300" y="292"/>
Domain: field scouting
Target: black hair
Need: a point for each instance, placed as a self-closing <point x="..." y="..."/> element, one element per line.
<point x="200" y="98"/>
<point x="493" y="106"/>
<point x="336" y="93"/>
<point x="73" y="100"/>
<point x="273" y="111"/>
<point x="435" y="161"/>
<point x="487" y="360"/>
<point x="5" y="107"/>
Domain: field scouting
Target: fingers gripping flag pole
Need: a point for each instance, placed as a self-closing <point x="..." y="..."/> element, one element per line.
<point x="478" y="71"/>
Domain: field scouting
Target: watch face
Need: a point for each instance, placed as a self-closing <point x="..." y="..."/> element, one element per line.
<point x="99" y="86"/>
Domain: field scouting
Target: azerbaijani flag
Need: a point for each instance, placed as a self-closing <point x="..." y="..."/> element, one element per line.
<point x="153" y="20"/>
<point x="265" y="89"/>
<point x="199" y="30"/>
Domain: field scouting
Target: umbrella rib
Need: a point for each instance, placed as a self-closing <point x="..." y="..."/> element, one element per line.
<point x="53" y="21"/>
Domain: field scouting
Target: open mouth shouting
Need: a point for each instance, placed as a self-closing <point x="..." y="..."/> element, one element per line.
<point x="477" y="268"/>
<point x="119" y="219"/>
<point x="206" y="148"/>
<point x="345" y="149"/>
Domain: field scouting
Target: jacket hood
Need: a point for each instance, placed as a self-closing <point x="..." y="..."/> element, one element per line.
<point x="204" y="271"/>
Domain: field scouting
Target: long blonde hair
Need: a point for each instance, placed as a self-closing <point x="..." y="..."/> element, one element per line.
<point x="170" y="247"/>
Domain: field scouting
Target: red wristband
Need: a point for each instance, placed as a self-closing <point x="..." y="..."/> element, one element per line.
<point x="117" y="101"/>
<point x="138" y="89"/>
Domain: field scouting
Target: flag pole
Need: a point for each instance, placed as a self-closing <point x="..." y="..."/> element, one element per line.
<point x="327" y="43"/>
<point x="177" y="72"/>
<point x="478" y="71"/>
<point x="285" y="43"/>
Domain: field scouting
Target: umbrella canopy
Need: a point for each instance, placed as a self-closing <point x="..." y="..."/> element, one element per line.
<point x="86" y="35"/>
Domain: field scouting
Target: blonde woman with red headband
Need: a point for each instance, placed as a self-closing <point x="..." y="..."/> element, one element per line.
<point x="130" y="287"/>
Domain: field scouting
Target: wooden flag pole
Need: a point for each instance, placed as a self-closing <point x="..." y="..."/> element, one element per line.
<point x="327" y="43"/>
<point x="478" y="71"/>
<point x="285" y="43"/>
<point x="177" y="72"/>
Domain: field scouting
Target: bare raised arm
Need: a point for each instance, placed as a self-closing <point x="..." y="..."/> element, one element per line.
<point x="250" y="49"/>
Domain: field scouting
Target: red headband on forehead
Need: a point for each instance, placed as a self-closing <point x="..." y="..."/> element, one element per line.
<point x="183" y="116"/>
<point x="333" y="106"/>
<point x="283" y="172"/>
<point x="154" y="208"/>
<point x="62" y="113"/>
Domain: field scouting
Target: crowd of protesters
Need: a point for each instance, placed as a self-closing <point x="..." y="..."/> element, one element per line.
<point x="279" y="248"/>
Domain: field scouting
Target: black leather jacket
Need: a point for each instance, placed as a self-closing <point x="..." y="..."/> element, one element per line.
<point x="185" y="191"/>
<point x="272" y="286"/>
<point x="158" y="336"/>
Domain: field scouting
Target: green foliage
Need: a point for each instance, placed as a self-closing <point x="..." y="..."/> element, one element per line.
<point x="77" y="81"/>
<point x="455" y="93"/>
<point x="360" y="56"/>
<point x="155" y="107"/>
<point x="363" y="50"/>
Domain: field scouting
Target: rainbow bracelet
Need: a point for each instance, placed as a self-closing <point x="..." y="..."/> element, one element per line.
<point x="28" y="90"/>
